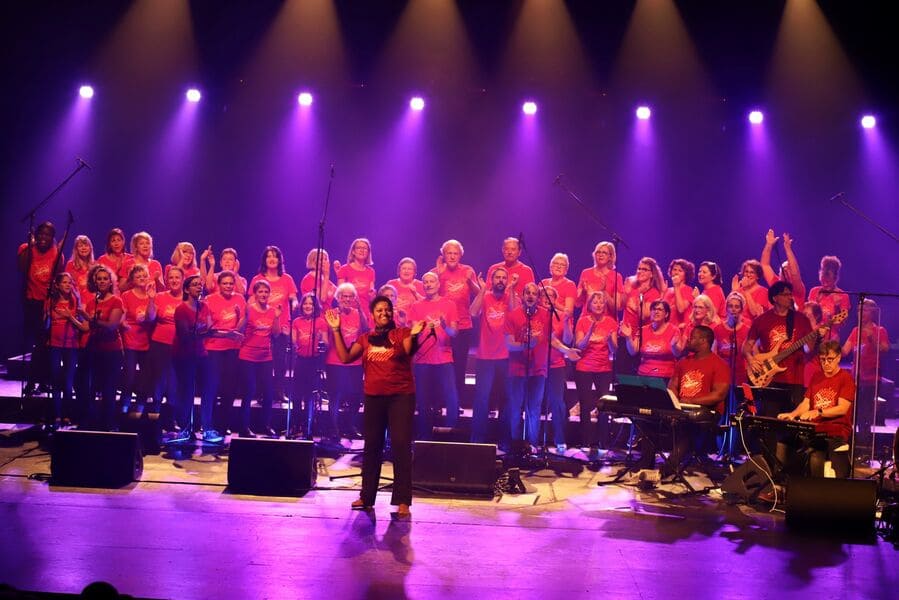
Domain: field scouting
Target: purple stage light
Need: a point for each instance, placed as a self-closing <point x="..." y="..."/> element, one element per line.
<point x="417" y="103"/>
<point x="643" y="113"/>
<point x="869" y="122"/>
<point x="756" y="117"/>
<point x="193" y="95"/>
<point x="304" y="99"/>
<point x="86" y="91"/>
<point x="529" y="108"/>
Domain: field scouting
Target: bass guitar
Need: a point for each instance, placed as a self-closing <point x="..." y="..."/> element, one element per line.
<point x="770" y="361"/>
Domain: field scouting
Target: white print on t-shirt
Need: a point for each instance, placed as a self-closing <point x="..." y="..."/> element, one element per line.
<point x="454" y="287"/>
<point x="496" y="314"/>
<point x="653" y="348"/>
<point x="825" y="397"/>
<point x="777" y="335"/>
<point x="691" y="383"/>
<point x="379" y="354"/>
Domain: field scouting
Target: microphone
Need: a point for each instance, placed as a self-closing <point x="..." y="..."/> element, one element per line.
<point x="836" y="197"/>
<point x="558" y="179"/>
<point x="82" y="163"/>
<point x="641" y="297"/>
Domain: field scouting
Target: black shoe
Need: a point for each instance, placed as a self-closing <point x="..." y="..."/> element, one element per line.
<point x="246" y="433"/>
<point x="271" y="433"/>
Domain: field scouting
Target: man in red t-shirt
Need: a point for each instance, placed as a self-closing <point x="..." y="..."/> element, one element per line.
<point x="40" y="260"/>
<point x="492" y="363"/>
<point x="827" y="404"/>
<point x="458" y="282"/>
<point x="519" y="273"/>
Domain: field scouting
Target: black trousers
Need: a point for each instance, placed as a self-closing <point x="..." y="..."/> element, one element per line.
<point x="585" y="381"/>
<point x="382" y="415"/>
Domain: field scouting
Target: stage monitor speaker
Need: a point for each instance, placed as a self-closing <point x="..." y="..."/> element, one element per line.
<point x="749" y="479"/>
<point x="457" y="468"/>
<point x="95" y="458"/>
<point x="271" y="467"/>
<point x="824" y="505"/>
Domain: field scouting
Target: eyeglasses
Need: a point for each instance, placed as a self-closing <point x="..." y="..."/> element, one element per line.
<point x="644" y="269"/>
<point x="829" y="359"/>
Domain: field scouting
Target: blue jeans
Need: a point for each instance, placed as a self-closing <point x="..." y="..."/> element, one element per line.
<point x="435" y="385"/>
<point x="555" y="403"/>
<point x="488" y="372"/>
<point x="526" y="392"/>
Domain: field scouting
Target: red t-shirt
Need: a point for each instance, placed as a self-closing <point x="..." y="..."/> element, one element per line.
<point x="257" y="341"/>
<point x="565" y="287"/>
<point x="155" y="269"/>
<point x="120" y="267"/>
<point x="307" y="283"/>
<point x="282" y="289"/>
<point x="454" y="286"/>
<point x="492" y="337"/>
<point x="188" y="271"/>
<point x="351" y="329"/>
<point x="686" y="293"/>
<point x="823" y="392"/>
<point x="41" y="271"/>
<point x="80" y="277"/>
<point x="302" y="335"/>
<point x="190" y="327"/>
<point x="525" y="273"/>
<point x="63" y="334"/>
<point x="405" y="298"/>
<point x="388" y="369"/>
<point x="136" y="334"/>
<point x="211" y="289"/>
<point x="870" y="353"/>
<point x="102" y="339"/>
<point x="592" y="281"/>
<point x="436" y="349"/>
<point x="632" y="306"/>
<point x="770" y="330"/>
<point x="530" y="361"/>
<point x="556" y="358"/>
<point x="595" y="356"/>
<point x="164" y="332"/>
<point x="724" y="336"/>
<point x="760" y="295"/>
<point x="716" y="295"/>
<point x="362" y="279"/>
<point x="226" y="314"/>
<point x="696" y="377"/>
<point x="656" y="355"/>
<point x="831" y="304"/>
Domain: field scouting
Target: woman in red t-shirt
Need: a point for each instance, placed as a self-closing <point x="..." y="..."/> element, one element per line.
<point x="184" y="256"/>
<point x="709" y="278"/>
<point x="228" y="262"/>
<point x="562" y="348"/>
<point x="702" y="313"/>
<point x="730" y="335"/>
<point x="596" y="337"/>
<point x="80" y="264"/>
<point x="142" y="251"/>
<point x="260" y="323"/>
<point x="140" y="311"/>
<point x="310" y="340"/>
<point x="358" y="270"/>
<point x="747" y="284"/>
<point x="326" y="287"/>
<point x="407" y="289"/>
<point x="282" y="293"/>
<point x="118" y="261"/>
<point x="386" y="354"/>
<point x="105" y="311"/>
<point x="67" y="323"/>
<point x="160" y="353"/>
<point x="656" y="343"/>
<point x="680" y="295"/>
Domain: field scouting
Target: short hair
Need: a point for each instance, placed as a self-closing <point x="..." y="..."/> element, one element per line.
<point x="226" y="273"/>
<point x="387" y="287"/>
<point x="377" y="300"/>
<point x="349" y="257"/>
<point x="602" y="295"/>
<point x="754" y="265"/>
<point x="135" y="270"/>
<point x="499" y="268"/>
<point x="706" y="332"/>
<point x="546" y="289"/>
<point x="112" y="232"/>
<point x="828" y="347"/>
<point x="560" y="255"/>
<point x="777" y="288"/>
<point x="688" y="267"/>
<point x="141" y="235"/>
<point x="609" y="247"/>
<point x="452" y="243"/>
<point x="709" y="306"/>
<point x="346" y="287"/>
<point x="47" y="226"/>
<point x="312" y="256"/>
<point x="406" y="259"/>
<point x="261" y="282"/>
<point x="171" y="268"/>
<point x="228" y="250"/>
<point x="736" y="296"/>
<point x="187" y="282"/>
<point x="665" y="306"/>
<point x="816" y="309"/>
<point x="316" y="305"/>
<point x="431" y="274"/>
<point x="831" y="263"/>
<point x="713" y="268"/>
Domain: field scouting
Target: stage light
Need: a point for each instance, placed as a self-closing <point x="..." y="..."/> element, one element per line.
<point x="868" y="121"/>
<point x="193" y="95"/>
<point x="529" y="108"/>
<point x="86" y="91"/>
<point x="756" y="117"/>
<point x="417" y="103"/>
<point x="643" y="112"/>
<point x="304" y="99"/>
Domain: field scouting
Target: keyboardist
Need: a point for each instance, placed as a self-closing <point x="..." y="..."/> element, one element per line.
<point x="828" y="404"/>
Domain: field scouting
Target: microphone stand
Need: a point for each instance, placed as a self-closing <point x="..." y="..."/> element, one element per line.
<point x="727" y="443"/>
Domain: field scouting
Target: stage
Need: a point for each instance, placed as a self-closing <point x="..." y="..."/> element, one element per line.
<point x="178" y="533"/>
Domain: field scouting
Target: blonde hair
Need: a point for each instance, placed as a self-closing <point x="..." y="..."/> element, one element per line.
<point x="349" y="257"/>
<point x="179" y="251"/>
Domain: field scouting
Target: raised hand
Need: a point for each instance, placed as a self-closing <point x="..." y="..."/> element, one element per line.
<point x="735" y="284"/>
<point x="332" y="318"/>
<point x="336" y="265"/>
<point x="626" y="330"/>
<point x="481" y="281"/>
<point x="788" y="240"/>
<point x="771" y="239"/>
<point x="513" y="281"/>
<point x="418" y="327"/>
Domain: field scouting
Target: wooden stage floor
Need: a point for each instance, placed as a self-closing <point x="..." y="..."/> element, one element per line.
<point x="179" y="534"/>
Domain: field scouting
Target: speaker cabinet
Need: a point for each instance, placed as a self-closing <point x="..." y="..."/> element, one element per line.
<point x="271" y="467"/>
<point x="749" y="479"/>
<point x="465" y="469"/>
<point x="824" y="505"/>
<point x="95" y="459"/>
